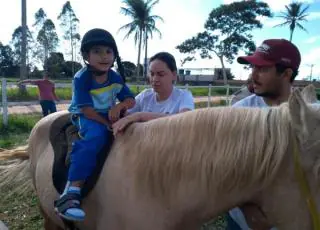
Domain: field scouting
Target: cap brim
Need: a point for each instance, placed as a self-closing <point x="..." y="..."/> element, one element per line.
<point x="254" y="60"/>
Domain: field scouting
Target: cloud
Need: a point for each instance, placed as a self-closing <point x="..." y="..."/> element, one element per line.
<point x="312" y="40"/>
<point x="313" y="16"/>
<point x="312" y="57"/>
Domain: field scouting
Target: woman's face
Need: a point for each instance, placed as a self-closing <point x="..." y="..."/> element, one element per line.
<point x="161" y="77"/>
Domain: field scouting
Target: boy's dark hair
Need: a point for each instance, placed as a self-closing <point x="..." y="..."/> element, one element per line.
<point x="166" y="58"/>
<point x="281" y="68"/>
<point x="101" y="37"/>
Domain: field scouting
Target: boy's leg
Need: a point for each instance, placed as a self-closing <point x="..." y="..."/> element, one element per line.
<point x="44" y="107"/>
<point x="83" y="161"/>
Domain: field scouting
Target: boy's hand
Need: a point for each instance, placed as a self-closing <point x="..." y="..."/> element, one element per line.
<point x="115" y="112"/>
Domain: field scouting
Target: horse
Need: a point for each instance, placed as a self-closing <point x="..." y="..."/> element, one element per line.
<point x="179" y="171"/>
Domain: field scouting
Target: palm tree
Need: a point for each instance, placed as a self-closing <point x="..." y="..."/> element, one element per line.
<point x="143" y="23"/>
<point x="294" y="14"/>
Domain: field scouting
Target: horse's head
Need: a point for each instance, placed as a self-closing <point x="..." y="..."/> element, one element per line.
<point x="305" y="120"/>
<point x="300" y="169"/>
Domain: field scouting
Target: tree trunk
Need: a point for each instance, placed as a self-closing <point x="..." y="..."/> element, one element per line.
<point x="139" y="53"/>
<point x="145" y="57"/>
<point x="291" y="34"/>
<point x="45" y="60"/>
<point x="224" y="73"/>
<point x="23" y="64"/>
<point x="71" y="43"/>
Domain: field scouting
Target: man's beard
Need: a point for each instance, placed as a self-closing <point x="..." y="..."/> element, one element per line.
<point x="267" y="94"/>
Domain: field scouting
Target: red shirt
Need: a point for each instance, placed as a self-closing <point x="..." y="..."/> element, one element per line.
<point x="46" y="89"/>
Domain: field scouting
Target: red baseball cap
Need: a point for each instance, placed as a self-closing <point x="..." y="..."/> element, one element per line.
<point x="274" y="51"/>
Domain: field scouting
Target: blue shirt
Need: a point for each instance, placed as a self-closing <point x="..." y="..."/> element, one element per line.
<point x="89" y="93"/>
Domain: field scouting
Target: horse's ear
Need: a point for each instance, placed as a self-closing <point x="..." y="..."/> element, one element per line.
<point x="309" y="94"/>
<point x="301" y="117"/>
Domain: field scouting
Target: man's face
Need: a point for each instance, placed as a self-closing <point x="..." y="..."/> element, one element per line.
<point x="266" y="81"/>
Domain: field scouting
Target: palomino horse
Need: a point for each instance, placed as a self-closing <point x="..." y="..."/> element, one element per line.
<point x="179" y="171"/>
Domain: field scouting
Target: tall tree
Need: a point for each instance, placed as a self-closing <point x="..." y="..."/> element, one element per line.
<point x="48" y="39"/>
<point x="142" y="25"/>
<point x="70" y="25"/>
<point x="294" y="15"/>
<point x="17" y="44"/>
<point x="40" y="18"/>
<point x="7" y="63"/>
<point x="227" y="31"/>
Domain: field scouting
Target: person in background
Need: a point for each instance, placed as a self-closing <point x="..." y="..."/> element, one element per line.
<point x="47" y="95"/>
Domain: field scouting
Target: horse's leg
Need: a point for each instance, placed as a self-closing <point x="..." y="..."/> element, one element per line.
<point x="48" y="223"/>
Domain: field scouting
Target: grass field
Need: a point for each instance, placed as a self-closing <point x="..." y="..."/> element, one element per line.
<point x="17" y="132"/>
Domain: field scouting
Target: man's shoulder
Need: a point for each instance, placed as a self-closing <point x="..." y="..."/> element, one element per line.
<point x="250" y="101"/>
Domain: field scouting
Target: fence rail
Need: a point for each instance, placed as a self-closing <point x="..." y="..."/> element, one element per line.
<point x="5" y="85"/>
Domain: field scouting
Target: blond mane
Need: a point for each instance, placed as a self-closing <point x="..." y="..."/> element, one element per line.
<point x="217" y="149"/>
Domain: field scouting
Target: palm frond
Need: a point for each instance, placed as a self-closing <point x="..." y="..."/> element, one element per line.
<point x="301" y="27"/>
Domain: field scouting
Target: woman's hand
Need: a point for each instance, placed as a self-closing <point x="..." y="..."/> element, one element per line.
<point x="120" y="125"/>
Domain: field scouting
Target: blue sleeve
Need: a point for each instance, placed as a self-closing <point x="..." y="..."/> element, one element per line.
<point x="124" y="93"/>
<point x="137" y="106"/>
<point x="81" y="91"/>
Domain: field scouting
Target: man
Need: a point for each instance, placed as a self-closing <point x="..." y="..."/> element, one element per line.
<point x="275" y="65"/>
<point x="47" y="95"/>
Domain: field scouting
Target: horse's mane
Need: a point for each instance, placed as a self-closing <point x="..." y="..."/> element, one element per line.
<point x="222" y="149"/>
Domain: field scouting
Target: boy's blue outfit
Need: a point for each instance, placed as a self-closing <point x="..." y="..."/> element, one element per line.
<point x="94" y="135"/>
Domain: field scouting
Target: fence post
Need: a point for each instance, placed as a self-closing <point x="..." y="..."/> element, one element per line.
<point x="187" y="86"/>
<point x="227" y="94"/>
<point x="209" y="96"/>
<point x="4" y="102"/>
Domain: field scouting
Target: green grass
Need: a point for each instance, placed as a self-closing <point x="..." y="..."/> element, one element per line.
<point x="18" y="130"/>
<point x="19" y="211"/>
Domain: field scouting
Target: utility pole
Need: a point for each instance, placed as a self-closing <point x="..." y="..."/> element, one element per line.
<point x="23" y="64"/>
<point x="311" y="67"/>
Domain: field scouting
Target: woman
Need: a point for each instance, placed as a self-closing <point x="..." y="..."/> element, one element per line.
<point x="162" y="99"/>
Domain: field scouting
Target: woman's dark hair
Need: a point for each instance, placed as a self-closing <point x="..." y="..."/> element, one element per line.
<point x="281" y="68"/>
<point x="166" y="58"/>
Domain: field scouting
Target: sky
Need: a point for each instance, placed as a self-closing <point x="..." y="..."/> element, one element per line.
<point x="182" y="20"/>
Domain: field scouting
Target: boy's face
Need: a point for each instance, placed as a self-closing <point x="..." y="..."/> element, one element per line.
<point x="101" y="57"/>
